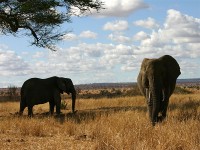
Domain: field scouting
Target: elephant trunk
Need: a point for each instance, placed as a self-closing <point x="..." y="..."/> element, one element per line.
<point x="73" y="100"/>
<point x="154" y="104"/>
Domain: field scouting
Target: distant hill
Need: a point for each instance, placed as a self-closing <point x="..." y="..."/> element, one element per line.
<point x="105" y="85"/>
<point x="186" y="82"/>
<point x="189" y="82"/>
<point x="192" y="80"/>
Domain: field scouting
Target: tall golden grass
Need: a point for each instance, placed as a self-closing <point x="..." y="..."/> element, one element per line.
<point x="103" y="124"/>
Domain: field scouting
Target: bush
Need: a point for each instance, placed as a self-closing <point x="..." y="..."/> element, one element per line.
<point x="63" y="105"/>
<point x="180" y="90"/>
<point x="12" y="92"/>
<point x="134" y="91"/>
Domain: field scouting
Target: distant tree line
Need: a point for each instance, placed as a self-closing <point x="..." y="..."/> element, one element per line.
<point x="12" y="93"/>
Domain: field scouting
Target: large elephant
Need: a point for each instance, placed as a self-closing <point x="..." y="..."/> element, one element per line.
<point x="38" y="91"/>
<point x="156" y="81"/>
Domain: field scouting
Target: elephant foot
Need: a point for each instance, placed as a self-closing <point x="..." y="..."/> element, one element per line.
<point x="58" y="114"/>
<point x="153" y="123"/>
<point x="74" y="112"/>
<point x="159" y="119"/>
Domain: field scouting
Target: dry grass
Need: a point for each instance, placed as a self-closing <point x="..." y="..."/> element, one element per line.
<point x="104" y="124"/>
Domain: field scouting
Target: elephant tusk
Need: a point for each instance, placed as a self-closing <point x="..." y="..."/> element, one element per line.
<point x="163" y="92"/>
<point x="146" y="92"/>
<point x="148" y="95"/>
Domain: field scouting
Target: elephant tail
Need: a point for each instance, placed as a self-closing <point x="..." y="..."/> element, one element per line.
<point x="22" y="101"/>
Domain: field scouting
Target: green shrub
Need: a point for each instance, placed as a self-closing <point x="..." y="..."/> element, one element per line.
<point x="63" y="105"/>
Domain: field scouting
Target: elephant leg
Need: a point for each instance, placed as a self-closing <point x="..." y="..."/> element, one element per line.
<point x="58" y="103"/>
<point x="155" y="111"/>
<point x="57" y="109"/>
<point x="150" y="108"/>
<point x="51" y="107"/>
<point x="164" y="108"/>
<point x="165" y="102"/>
<point x="149" y="104"/>
<point x="30" y="111"/>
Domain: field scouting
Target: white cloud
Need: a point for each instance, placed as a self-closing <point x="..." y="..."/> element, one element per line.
<point x="149" y="23"/>
<point x="123" y="50"/>
<point x="11" y="64"/>
<point x="38" y="55"/>
<point x="70" y="37"/>
<point x="184" y="28"/>
<point x="178" y="29"/>
<point x="119" y="38"/>
<point x="140" y="36"/>
<point x="119" y="25"/>
<point x="88" y="34"/>
<point x="177" y="36"/>
<point x="119" y="8"/>
<point x="83" y="58"/>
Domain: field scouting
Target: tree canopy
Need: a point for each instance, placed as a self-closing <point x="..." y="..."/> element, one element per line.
<point x="41" y="19"/>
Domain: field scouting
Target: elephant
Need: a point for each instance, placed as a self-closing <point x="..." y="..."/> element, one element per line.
<point x="39" y="91"/>
<point x="156" y="81"/>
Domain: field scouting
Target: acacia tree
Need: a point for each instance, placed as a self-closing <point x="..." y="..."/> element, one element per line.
<point x="41" y="19"/>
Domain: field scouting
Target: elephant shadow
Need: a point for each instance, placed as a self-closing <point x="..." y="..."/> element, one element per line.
<point x="92" y="114"/>
<point x="83" y="115"/>
<point x="186" y="110"/>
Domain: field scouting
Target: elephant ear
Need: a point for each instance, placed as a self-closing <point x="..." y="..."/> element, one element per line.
<point x="143" y="72"/>
<point x="61" y="84"/>
<point x="142" y="77"/>
<point x="172" y="66"/>
<point x="69" y="85"/>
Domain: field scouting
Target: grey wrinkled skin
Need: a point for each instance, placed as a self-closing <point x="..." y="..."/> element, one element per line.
<point x="157" y="81"/>
<point x="39" y="91"/>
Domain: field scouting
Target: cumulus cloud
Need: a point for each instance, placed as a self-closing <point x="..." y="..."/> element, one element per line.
<point x="12" y="64"/>
<point x="119" y="25"/>
<point x="184" y="28"/>
<point x="70" y="37"/>
<point x="119" y="8"/>
<point x="119" y="38"/>
<point x="149" y="23"/>
<point x="178" y="29"/>
<point x="38" y="55"/>
<point x="84" y="58"/>
<point x="140" y="36"/>
<point x="178" y="36"/>
<point x="88" y="34"/>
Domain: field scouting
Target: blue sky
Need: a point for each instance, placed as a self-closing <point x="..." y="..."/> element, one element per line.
<point x="110" y="46"/>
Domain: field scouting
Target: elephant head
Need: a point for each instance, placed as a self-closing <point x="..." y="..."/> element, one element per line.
<point x="156" y="81"/>
<point x="66" y="85"/>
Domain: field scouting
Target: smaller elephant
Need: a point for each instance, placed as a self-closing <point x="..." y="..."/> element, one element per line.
<point x="39" y="91"/>
<point x="156" y="81"/>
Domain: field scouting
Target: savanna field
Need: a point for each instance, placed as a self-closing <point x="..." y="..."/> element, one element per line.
<point x="105" y="123"/>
